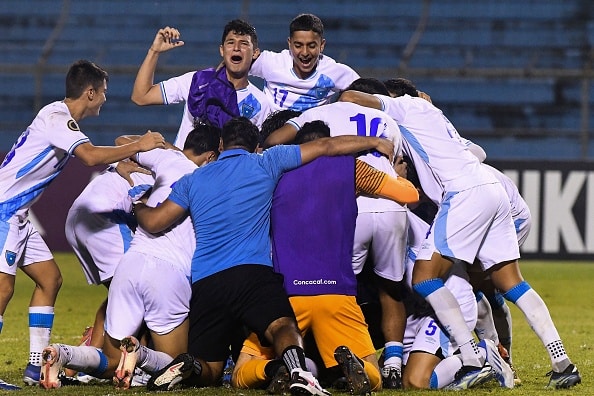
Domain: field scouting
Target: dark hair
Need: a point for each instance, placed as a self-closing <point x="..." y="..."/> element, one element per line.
<point x="369" y="85"/>
<point x="240" y="132"/>
<point x="400" y="87"/>
<point x="203" y="138"/>
<point x="81" y="74"/>
<point x="276" y="120"/>
<point x="240" y="27"/>
<point x="306" y="22"/>
<point x="311" y="131"/>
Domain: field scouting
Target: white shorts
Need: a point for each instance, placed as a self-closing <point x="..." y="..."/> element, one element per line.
<point x="22" y="245"/>
<point x="145" y="288"/>
<point x="474" y="223"/>
<point x="424" y="335"/>
<point x="386" y="234"/>
<point x="98" y="243"/>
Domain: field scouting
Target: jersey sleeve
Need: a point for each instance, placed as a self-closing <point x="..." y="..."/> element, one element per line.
<point x="372" y="181"/>
<point x="176" y="89"/>
<point x="394" y="107"/>
<point x="264" y="62"/>
<point x="280" y="159"/>
<point x="180" y="192"/>
<point x="66" y="134"/>
<point x="309" y="115"/>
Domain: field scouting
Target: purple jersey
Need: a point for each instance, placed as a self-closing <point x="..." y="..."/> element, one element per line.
<point x="313" y="217"/>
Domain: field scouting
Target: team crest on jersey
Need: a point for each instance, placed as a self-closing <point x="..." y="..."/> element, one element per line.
<point x="73" y="126"/>
<point x="10" y="257"/>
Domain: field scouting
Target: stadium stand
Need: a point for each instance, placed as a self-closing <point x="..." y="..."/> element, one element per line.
<point x="507" y="73"/>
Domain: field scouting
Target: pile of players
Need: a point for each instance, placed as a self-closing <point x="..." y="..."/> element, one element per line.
<point x="276" y="216"/>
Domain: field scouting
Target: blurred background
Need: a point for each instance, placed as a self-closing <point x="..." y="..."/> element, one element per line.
<point x="515" y="77"/>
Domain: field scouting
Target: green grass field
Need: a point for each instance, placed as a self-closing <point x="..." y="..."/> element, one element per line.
<point x="566" y="287"/>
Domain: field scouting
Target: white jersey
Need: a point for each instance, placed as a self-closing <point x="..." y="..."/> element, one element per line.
<point x="440" y="156"/>
<point x="37" y="157"/>
<point x="286" y="90"/>
<point x="252" y="103"/>
<point x="345" y="118"/>
<point x="99" y="226"/>
<point x="175" y="245"/>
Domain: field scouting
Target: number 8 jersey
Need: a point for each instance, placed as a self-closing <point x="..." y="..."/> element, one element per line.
<point x="37" y="157"/>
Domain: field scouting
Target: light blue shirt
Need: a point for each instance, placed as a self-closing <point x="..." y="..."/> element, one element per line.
<point x="229" y="201"/>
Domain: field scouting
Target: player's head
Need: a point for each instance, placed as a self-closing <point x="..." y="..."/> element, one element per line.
<point x="311" y="131"/>
<point x="239" y="47"/>
<point x="87" y="80"/>
<point x="239" y="132"/>
<point x="83" y="75"/>
<point x="369" y="85"/>
<point x="400" y="87"/>
<point x="306" y="43"/>
<point x="276" y="120"/>
<point x="202" y="143"/>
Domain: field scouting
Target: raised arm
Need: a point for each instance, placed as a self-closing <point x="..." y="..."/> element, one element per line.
<point x="370" y="180"/>
<point x="158" y="219"/>
<point x="92" y="155"/>
<point x="282" y="135"/>
<point x="343" y="145"/>
<point x="145" y="91"/>
<point x="361" y="98"/>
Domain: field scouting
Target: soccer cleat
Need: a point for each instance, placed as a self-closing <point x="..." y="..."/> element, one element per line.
<point x="140" y="377"/>
<point x="304" y="383"/>
<point x="566" y="379"/>
<point x="279" y="384"/>
<point x="31" y="375"/>
<point x="123" y="374"/>
<point x="84" y="341"/>
<point x="51" y="367"/>
<point x="169" y="376"/>
<point x="503" y="373"/>
<point x="353" y="371"/>
<point x="469" y="377"/>
<point x="391" y="378"/>
<point x="5" y="386"/>
<point x="228" y="372"/>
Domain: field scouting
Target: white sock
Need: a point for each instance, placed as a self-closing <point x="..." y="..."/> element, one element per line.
<point x="450" y="316"/>
<point x="538" y="317"/>
<point x="80" y="358"/>
<point x="41" y="320"/>
<point x="152" y="361"/>
<point x="485" y="324"/>
<point x="445" y="371"/>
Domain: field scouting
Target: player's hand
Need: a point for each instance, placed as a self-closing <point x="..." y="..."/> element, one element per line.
<point x="386" y="147"/>
<point x="126" y="167"/>
<point x="401" y="167"/>
<point x="425" y="96"/>
<point x="150" y="140"/>
<point x="166" y="39"/>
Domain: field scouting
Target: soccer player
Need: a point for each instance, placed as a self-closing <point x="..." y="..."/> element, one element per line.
<point x="99" y="228"/>
<point x="455" y="180"/>
<point x="302" y="77"/>
<point x="233" y="280"/>
<point x="381" y="224"/>
<point x="212" y="95"/>
<point x="150" y="284"/>
<point x="37" y="157"/>
<point x="494" y="320"/>
<point x="313" y="216"/>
